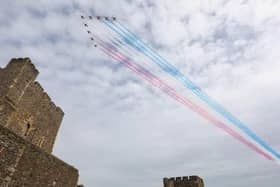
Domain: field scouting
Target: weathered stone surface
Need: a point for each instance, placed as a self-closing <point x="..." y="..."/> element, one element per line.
<point x="24" y="106"/>
<point x="192" y="181"/>
<point x="29" y="122"/>
<point x="24" y="164"/>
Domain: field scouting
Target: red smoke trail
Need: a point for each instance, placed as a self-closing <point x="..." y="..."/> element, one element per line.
<point x="155" y="81"/>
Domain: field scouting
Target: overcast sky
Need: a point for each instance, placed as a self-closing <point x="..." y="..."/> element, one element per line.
<point x="120" y="131"/>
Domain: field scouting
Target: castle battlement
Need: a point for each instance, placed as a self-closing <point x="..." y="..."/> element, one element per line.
<point x="186" y="181"/>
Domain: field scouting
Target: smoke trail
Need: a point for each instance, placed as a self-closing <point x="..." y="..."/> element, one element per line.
<point x="134" y="41"/>
<point x="155" y="81"/>
<point x="110" y="37"/>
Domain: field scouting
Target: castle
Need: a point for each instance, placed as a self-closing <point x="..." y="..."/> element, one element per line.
<point x="29" y="122"/>
<point x="192" y="181"/>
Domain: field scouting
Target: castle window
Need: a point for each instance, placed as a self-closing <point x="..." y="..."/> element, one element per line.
<point x="27" y="128"/>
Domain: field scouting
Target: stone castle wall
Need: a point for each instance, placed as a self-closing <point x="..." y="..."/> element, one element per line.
<point x="192" y="181"/>
<point x="29" y="123"/>
<point x="25" y="165"/>
<point x="24" y="106"/>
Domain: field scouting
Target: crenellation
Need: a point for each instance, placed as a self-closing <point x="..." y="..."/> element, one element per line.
<point x="38" y="86"/>
<point x="191" y="181"/>
<point x="185" y="178"/>
<point x="194" y="178"/>
<point x="178" y="179"/>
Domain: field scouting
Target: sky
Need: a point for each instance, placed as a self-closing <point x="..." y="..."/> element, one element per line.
<point x="120" y="131"/>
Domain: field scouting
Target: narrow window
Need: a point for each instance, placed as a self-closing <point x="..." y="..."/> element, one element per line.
<point x="27" y="129"/>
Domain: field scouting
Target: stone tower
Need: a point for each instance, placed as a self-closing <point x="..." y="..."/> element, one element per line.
<point x="29" y="122"/>
<point x="26" y="109"/>
<point x="192" y="181"/>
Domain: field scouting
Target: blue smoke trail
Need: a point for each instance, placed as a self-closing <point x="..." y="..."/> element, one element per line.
<point x="134" y="41"/>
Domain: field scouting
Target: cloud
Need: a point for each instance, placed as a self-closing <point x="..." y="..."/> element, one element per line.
<point x="118" y="130"/>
